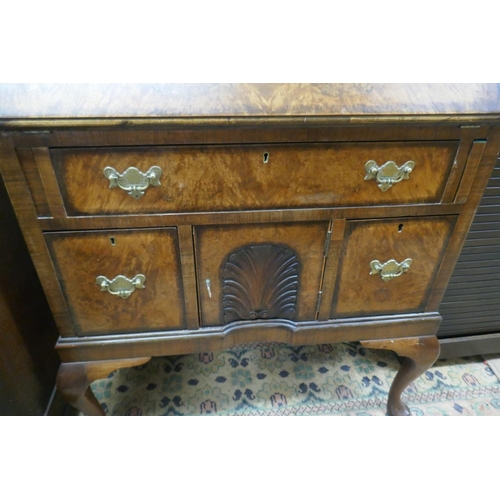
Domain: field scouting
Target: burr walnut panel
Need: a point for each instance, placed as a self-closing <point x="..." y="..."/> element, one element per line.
<point x="268" y="258"/>
<point x="263" y="100"/>
<point x="156" y="303"/>
<point x="266" y="176"/>
<point x="370" y="282"/>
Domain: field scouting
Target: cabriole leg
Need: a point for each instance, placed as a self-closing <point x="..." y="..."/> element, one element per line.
<point x="420" y="354"/>
<point x="74" y="379"/>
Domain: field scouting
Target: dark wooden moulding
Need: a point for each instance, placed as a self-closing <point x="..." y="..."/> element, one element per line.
<point x="315" y="233"/>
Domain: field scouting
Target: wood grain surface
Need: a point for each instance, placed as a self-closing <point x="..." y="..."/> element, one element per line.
<point x="243" y="165"/>
<point x="186" y="248"/>
<point x="49" y="100"/>
<point x="214" y="244"/>
<point x="224" y="337"/>
<point x="266" y="131"/>
<point x="421" y="239"/>
<point x="419" y="355"/>
<point x="30" y="169"/>
<point x="81" y="257"/>
<point x="245" y="217"/>
<point x="252" y="177"/>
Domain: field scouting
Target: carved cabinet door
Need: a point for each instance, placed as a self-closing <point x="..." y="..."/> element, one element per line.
<point x="259" y="271"/>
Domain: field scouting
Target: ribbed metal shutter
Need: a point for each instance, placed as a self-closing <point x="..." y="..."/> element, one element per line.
<point x="471" y="303"/>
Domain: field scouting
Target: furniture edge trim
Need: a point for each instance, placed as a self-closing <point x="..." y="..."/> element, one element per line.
<point x="225" y="337"/>
<point x="131" y="122"/>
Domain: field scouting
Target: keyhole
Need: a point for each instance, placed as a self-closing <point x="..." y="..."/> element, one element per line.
<point x="113" y="243"/>
<point x="265" y="157"/>
<point x="400" y="228"/>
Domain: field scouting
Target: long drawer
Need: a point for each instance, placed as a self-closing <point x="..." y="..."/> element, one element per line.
<point x="211" y="178"/>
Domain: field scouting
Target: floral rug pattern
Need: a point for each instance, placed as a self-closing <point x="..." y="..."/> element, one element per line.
<point x="278" y="379"/>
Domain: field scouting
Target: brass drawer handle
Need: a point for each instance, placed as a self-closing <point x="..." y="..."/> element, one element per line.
<point x="390" y="269"/>
<point x="121" y="285"/>
<point x="388" y="174"/>
<point x="133" y="180"/>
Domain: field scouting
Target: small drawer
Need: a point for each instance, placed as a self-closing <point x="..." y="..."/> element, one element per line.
<point x="193" y="179"/>
<point x="120" y="281"/>
<point x="389" y="266"/>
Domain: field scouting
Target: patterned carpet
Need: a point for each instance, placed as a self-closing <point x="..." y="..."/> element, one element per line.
<point x="277" y="379"/>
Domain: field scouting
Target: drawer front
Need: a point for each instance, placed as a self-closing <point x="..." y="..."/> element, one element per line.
<point x="191" y="179"/>
<point x="149" y="295"/>
<point x="258" y="272"/>
<point x="389" y="266"/>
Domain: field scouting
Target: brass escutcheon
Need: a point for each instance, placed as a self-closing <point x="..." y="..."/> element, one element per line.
<point x="390" y="269"/>
<point x="133" y="181"/>
<point x="121" y="285"/>
<point x="388" y="174"/>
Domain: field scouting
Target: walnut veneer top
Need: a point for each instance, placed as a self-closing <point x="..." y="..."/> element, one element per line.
<point x="45" y="101"/>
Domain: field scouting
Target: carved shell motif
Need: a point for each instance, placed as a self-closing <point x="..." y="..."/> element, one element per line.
<point x="260" y="282"/>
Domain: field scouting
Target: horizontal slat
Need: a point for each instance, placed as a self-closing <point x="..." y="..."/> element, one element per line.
<point x="486" y="242"/>
<point x="482" y="233"/>
<point x="479" y="274"/>
<point x="494" y="182"/>
<point x="455" y="330"/>
<point x="489" y="209"/>
<point x="468" y="329"/>
<point x="491" y="190"/>
<point x="460" y="288"/>
<point x="491" y="197"/>
<point x="477" y="256"/>
<point x="476" y="264"/>
<point x="467" y="294"/>
<point x="470" y="322"/>
<point x="486" y="226"/>
<point x="476" y="249"/>
<point x="466" y="303"/>
<point x="486" y="217"/>
<point x="481" y="279"/>
<point x="458" y="299"/>
<point x="474" y="275"/>
<point x="471" y="315"/>
<point x="486" y="273"/>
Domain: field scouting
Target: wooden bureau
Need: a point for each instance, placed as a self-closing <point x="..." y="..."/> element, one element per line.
<point x="169" y="219"/>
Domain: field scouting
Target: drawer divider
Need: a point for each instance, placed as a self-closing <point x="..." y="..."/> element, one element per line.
<point x="188" y="276"/>
<point x="331" y="268"/>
